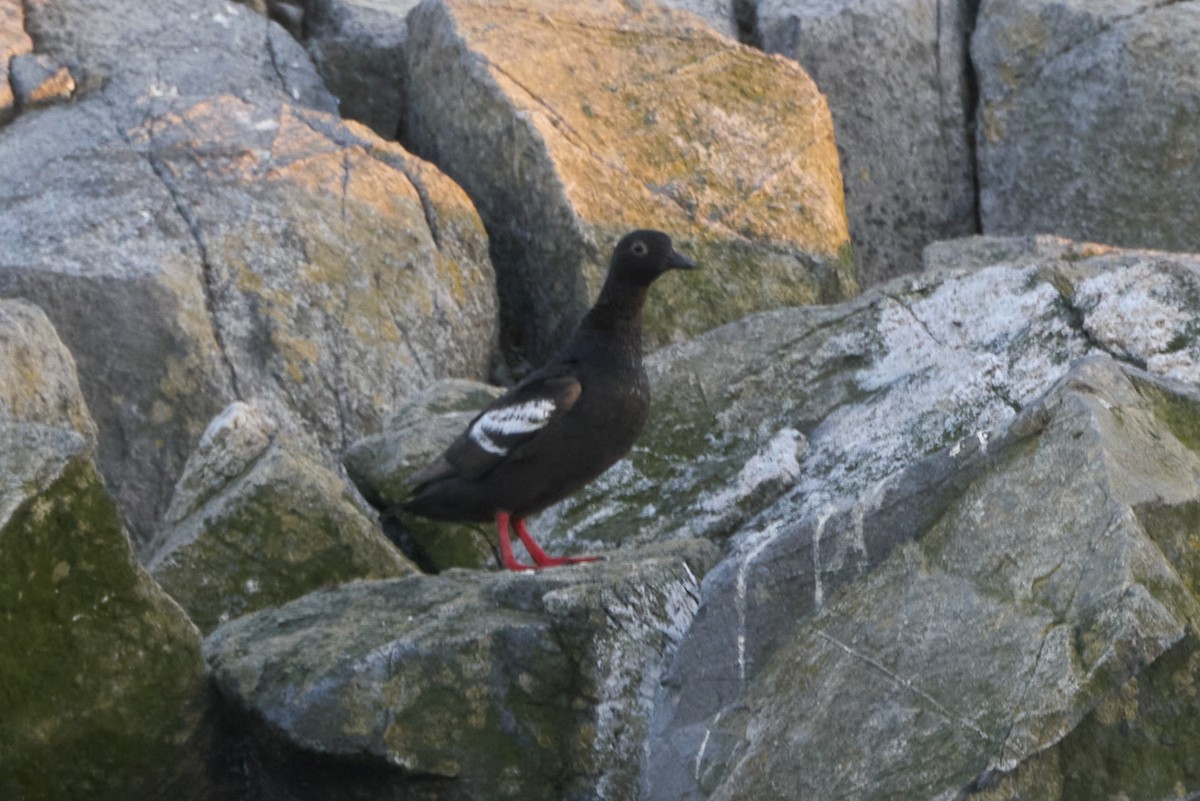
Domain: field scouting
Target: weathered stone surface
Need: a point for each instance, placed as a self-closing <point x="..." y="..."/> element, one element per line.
<point x="413" y="437"/>
<point x="196" y="248"/>
<point x="570" y="124"/>
<point x="39" y="80"/>
<point x="358" y="46"/>
<point x="254" y="523"/>
<point x="1063" y="595"/>
<point x="135" y="317"/>
<point x="1140" y="741"/>
<point x="899" y="396"/>
<point x="492" y="685"/>
<point x="821" y="404"/>
<point x="1089" y="120"/>
<point x="326" y="303"/>
<point x="895" y="75"/>
<point x="101" y="675"/>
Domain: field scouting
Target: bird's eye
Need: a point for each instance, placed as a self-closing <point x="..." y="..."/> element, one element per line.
<point x="639" y="248"/>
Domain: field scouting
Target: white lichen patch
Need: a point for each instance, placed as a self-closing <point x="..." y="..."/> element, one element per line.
<point x="646" y="623"/>
<point x="1144" y="313"/>
<point x="959" y="359"/>
<point x="776" y="463"/>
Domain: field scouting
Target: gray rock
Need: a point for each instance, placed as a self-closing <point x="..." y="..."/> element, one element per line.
<point x="1138" y="741"/>
<point x="254" y="523"/>
<point x="414" y="436"/>
<point x="102" y="679"/>
<point x="39" y="80"/>
<point x="895" y="75"/>
<point x="199" y="238"/>
<point x="358" y="47"/>
<point x="1086" y="122"/>
<point x="571" y="124"/>
<point x="135" y="61"/>
<point x="499" y="685"/>
<point x="993" y="635"/>
<point x="821" y="404"/>
<point x="902" y="396"/>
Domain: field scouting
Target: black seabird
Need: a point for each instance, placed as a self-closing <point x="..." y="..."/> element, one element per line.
<point x="562" y="426"/>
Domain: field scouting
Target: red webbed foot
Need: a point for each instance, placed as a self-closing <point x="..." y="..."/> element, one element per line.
<point x="540" y="557"/>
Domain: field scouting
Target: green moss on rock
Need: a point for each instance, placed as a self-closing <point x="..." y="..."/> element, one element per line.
<point x="101" y="676"/>
<point x="285" y="528"/>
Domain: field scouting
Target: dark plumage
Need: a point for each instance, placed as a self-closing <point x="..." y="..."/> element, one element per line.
<point x="565" y="424"/>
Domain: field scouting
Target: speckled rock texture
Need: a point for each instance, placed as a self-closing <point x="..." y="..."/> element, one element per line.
<point x="904" y="414"/>
<point x="571" y="124"/>
<point x="994" y="634"/>
<point x="896" y="77"/>
<point x="1089" y="120"/>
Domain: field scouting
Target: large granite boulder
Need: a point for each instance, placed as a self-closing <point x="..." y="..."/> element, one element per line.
<point x="571" y="124"/>
<point x="903" y="411"/>
<point x="466" y="685"/>
<point x="990" y="638"/>
<point x="815" y="407"/>
<point x="101" y="677"/>
<point x="896" y="77"/>
<point x="201" y="231"/>
<point x="1088" y="120"/>
<point x="254" y="522"/>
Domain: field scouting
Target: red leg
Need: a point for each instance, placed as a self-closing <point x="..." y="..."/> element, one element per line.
<point x="506" y="552"/>
<point x="539" y="556"/>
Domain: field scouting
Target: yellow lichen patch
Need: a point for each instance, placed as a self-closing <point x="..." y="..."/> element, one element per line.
<point x="649" y="115"/>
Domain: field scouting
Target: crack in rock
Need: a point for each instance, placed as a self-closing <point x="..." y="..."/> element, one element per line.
<point x="208" y="272"/>
<point x="905" y="683"/>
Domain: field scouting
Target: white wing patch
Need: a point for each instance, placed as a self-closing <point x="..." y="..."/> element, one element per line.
<point x="521" y="418"/>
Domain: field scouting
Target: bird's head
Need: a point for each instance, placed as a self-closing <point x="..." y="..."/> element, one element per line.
<point x="642" y="256"/>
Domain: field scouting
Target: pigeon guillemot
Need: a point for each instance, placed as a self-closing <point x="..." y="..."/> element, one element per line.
<point x="564" y="424"/>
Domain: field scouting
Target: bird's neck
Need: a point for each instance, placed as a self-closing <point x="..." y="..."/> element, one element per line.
<point x="618" y="310"/>
<point x="612" y="330"/>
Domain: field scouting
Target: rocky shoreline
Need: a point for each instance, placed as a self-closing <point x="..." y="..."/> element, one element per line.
<point x="915" y="512"/>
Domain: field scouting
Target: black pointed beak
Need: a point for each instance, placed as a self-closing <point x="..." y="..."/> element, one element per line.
<point x="678" y="262"/>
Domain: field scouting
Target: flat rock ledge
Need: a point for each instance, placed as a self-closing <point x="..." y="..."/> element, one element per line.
<point x="486" y="685"/>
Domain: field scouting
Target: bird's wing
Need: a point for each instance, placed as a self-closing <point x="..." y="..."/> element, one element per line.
<point x="512" y="420"/>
